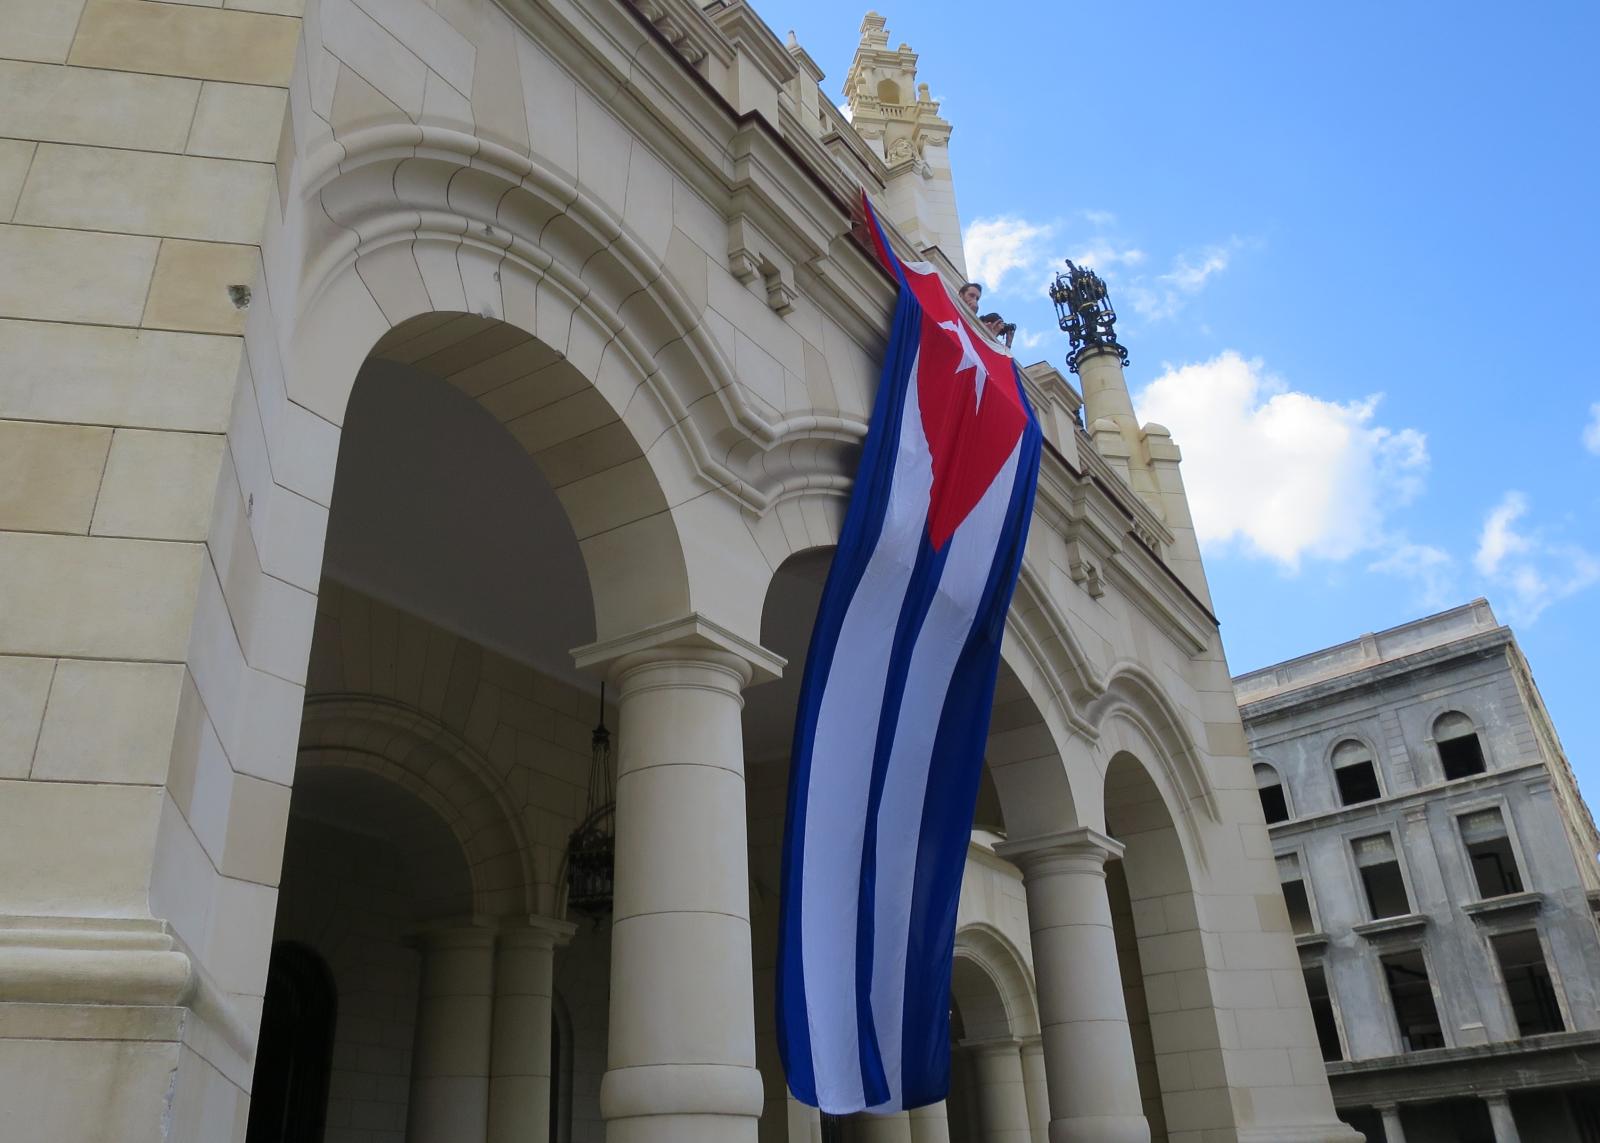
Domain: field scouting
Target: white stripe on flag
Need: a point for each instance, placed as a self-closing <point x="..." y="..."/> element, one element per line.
<point x="970" y="558"/>
<point x="841" y="772"/>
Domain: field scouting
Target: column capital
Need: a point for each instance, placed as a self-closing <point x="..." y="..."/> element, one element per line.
<point x="453" y="932"/>
<point x="536" y="932"/>
<point x="995" y="1046"/>
<point x="1083" y="844"/>
<point x="691" y="636"/>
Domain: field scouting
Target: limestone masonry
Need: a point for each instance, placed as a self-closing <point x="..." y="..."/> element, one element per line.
<point x="377" y="377"/>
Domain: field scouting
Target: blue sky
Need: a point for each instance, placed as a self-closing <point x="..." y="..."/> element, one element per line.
<point x="1354" y="248"/>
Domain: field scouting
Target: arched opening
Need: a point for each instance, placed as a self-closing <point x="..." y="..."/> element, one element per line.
<point x="481" y="477"/>
<point x="1355" y="774"/>
<point x="1460" y="750"/>
<point x="367" y="863"/>
<point x="1153" y="912"/>
<point x="294" y="1053"/>
<point x="1274" y="795"/>
<point x="888" y="92"/>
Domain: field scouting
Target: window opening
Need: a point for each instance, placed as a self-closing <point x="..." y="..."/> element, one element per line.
<point x="1411" y="993"/>
<point x="1274" y="802"/>
<point x="1295" y="895"/>
<point x="1355" y="774"/>
<point x="1494" y="864"/>
<point x="1380" y="876"/>
<point x="1528" y="984"/>
<point x="1460" y="751"/>
<point x="1322" y="1013"/>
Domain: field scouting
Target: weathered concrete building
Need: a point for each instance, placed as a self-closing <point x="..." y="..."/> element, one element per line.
<point x="1440" y="872"/>
<point x="360" y="360"/>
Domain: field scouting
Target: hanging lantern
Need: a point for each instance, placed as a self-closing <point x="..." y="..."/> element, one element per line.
<point x="592" y="847"/>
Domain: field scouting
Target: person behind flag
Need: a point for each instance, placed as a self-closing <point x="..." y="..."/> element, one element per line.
<point x="894" y="708"/>
<point x="1002" y="330"/>
<point x="971" y="293"/>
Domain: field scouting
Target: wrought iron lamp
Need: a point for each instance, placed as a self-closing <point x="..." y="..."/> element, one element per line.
<point x="592" y="847"/>
<point x="1084" y="313"/>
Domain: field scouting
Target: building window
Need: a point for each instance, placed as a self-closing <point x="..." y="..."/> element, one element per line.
<point x="1295" y="895"/>
<point x="1354" y="773"/>
<point x="294" y="1055"/>
<point x="1406" y="973"/>
<point x="1322" y="1013"/>
<point x="1380" y="876"/>
<point x="1274" y="804"/>
<point x="1528" y="986"/>
<point x="1460" y="752"/>
<point x="1494" y="865"/>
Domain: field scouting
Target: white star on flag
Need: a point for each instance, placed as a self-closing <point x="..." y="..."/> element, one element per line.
<point x="969" y="359"/>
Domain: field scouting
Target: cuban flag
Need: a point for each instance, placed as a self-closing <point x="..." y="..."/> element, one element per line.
<point x="894" y="709"/>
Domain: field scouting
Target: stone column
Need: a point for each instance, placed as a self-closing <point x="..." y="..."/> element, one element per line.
<point x="1037" y="1086"/>
<point x="1393" y="1131"/>
<point x="682" y="1058"/>
<point x="1088" y="1051"/>
<point x="879" y="1128"/>
<point x="1505" y="1124"/>
<point x="450" y="1054"/>
<point x="1002" y="1092"/>
<point x="520" y="1066"/>
<point x="930" y="1124"/>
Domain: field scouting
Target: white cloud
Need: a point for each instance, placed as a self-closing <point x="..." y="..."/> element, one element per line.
<point x="1499" y="539"/>
<point x="996" y="247"/>
<point x="1028" y="339"/>
<point x="1101" y="255"/>
<point x="1431" y="570"/>
<point x="1098" y="218"/>
<point x="1189" y="273"/>
<point x="1591" y="431"/>
<point x="1532" y="570"/>
<point x="1284" y="474"/>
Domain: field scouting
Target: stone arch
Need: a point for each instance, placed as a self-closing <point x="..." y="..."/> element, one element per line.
<point x="992" y="985"/>
<point x="1161" y="946"/>
<point x="425" y="758"/>
<point x="1134" y="698"/>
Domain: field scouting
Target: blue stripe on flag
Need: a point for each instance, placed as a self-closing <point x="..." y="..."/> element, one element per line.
<point x="920" y="592"/>
<point x="957" y="766"/>
<point x="859" y="536"/>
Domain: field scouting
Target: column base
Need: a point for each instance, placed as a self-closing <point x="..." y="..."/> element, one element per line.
<point x="1100" y="1129"/>
<point x="681" y="1103"/>
<point x="1335" y="1132"/>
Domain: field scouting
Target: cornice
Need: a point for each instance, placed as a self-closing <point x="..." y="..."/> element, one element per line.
<point x="1323" y="692"/>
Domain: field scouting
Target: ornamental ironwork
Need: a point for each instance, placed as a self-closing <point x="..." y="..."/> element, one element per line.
<point x="592" y="847"/>
<point x="1084" y="313"/>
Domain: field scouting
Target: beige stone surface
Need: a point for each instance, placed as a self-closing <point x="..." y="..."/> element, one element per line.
<point x="177" y="39"/>
<point x="40" y="29"/>
<point x="100" y="375"/>
<point x="49" y="475"/>
<point x="158" y="485"/>
<point x="97" y="597"/>
<point x="237" y="121"/>
<point x="24" y="686"/>
<point x="15" y="157"/>
<point x="73" y="849"/>
<point x="109" y="722"/>
<point x="96" y="107"/>
<point x="136" y="192"/>
<point x="190" y="289"/>
<point x="69" y="275"/>
<point x="258" y="815"/>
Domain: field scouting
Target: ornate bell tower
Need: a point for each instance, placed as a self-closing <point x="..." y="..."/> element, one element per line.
<point x="900" y="121"/>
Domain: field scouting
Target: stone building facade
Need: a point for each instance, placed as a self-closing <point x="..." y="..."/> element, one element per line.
<point x="376" y="378"/>
<point x="1440" y="872"/>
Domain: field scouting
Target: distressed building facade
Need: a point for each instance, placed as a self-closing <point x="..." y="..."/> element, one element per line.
<point x="1439" y="868"/>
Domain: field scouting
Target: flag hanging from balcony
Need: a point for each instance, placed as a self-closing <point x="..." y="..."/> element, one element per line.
<point x="894" y="709"/>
